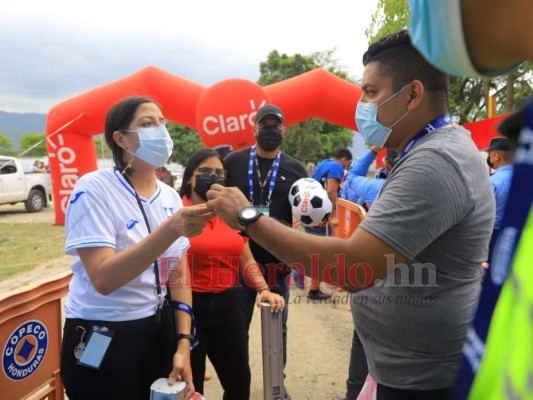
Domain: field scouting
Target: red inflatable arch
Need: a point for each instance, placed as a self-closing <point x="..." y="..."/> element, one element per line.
<point x="222" y="114"/>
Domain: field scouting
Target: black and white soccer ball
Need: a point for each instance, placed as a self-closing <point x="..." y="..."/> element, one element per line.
<point x="310" y="202"/>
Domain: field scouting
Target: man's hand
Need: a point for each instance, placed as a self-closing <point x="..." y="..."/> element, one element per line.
<point x="226" y="202"/>
<point x="375" y="149"/>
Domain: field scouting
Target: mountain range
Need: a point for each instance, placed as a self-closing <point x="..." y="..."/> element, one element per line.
<point x="14" y="125"/>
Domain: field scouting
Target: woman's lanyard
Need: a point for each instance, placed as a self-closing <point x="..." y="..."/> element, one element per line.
<point x="176" y="304"/>
<point x="272" y="174"/>
<point x="442" y="121"/>
<point x="160" y="298"/>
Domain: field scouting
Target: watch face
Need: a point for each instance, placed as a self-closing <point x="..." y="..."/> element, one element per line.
<point x="248" y="213"/>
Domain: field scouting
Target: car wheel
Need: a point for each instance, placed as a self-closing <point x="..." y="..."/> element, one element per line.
<point x="35" y="201"/>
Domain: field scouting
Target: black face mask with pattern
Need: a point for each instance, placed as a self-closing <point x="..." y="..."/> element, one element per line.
<point x="203" y="184"/>
<point x="269" y="138"/>
<point x="491" y="165"/>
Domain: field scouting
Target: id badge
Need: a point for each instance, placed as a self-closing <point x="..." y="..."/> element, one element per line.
<point x="97" y="344"/>
<point x="263" y="209"/>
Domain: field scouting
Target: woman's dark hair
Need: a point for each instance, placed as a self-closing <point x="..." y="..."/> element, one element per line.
<point x="119" y="117"/>
<point x="193" y="162"/>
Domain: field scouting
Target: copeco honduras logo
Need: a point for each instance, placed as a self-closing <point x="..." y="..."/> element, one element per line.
<point x="24" y="350"/>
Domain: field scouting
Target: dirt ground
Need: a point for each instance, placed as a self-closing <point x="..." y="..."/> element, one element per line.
<point x="319" y="334"/>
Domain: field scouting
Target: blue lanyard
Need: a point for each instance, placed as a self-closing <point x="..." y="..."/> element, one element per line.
<point x="443" y="120"/>
<point x="178" y="305"/>
<point x="273" y="175"/>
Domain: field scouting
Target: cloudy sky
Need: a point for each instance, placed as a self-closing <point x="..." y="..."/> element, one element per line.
<point x="53" y="50"/>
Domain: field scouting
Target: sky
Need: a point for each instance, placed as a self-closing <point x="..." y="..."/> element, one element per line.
<point x="54" y="50"/>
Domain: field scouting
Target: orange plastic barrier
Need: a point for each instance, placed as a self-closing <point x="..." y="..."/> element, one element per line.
<point x="350" y="216"/>
<point x="30" y="339"/>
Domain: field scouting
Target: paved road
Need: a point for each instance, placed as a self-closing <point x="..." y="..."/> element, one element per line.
<point x="17" y="213"/>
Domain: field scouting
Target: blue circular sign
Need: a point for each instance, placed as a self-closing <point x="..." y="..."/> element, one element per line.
<point x="25" y="350"/>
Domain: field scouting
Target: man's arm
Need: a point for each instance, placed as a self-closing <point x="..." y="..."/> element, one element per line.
<point x="366" y="188"/>
<point x="492" y="44"/>
<point x="433" y="203"/>
<point x="332" y="188"/>
<point x="361" y="165"/>
<point x="361" y="259"/>
<point x="354" y="263"/>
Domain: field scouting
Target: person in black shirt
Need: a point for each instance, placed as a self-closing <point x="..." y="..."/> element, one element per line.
<point x="266" y="182"/>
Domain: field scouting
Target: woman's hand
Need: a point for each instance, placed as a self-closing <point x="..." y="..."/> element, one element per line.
<point x="190" y="221"/>
<point x="182" y="367"/>
<point x="277" y="303"/>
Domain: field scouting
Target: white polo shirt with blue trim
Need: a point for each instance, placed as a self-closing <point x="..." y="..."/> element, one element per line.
<point x="103" y="212"/>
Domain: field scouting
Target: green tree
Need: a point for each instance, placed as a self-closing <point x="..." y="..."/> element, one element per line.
<point x="468" y="96"/>
<point x="304" y="141"/>
<point x="102" y="151"/>
<point x="310" y="140"/>
<point x="35" y="142"/>
<point x="390" y="16"/>
<point x="5" y="142"/>
<point x="186" y="141"/>
<point x="342" y="138"/>
<point x="514" y="89"/>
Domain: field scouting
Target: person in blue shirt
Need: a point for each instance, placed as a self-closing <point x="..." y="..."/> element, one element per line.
<point x="330" y="173"/>
<point x="500" y="158"/>
<point x="360" y="189"/>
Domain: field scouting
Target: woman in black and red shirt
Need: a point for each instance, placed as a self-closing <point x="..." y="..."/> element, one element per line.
<point x="215" y="258"/>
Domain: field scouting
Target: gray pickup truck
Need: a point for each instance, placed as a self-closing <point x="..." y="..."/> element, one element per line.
<point x="17" y="186"/>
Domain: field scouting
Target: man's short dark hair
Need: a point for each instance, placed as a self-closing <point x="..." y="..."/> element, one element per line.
<point x="340" y="153"/>
<point x="400" y="60"/>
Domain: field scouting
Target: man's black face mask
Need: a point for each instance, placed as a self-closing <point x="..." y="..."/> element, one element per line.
<point x="269" y="138"/>
<point x="491" y="165"/>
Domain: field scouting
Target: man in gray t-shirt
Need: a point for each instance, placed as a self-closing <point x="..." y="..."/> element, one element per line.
<point x="434" y="210"/>
<point x="415" y="260"/>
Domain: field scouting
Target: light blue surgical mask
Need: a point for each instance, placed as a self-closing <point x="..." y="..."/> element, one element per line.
<point x="436" y="30"/>
<point x="155" y="145"/>
<point x="366" y="118"/>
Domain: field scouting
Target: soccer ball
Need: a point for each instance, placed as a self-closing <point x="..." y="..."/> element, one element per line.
<point x="310" y="202"/>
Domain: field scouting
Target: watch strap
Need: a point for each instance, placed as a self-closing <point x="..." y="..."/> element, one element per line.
<point x="245" y="222"/>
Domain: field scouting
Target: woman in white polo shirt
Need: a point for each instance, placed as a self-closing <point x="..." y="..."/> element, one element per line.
<point x="122" y="225"/>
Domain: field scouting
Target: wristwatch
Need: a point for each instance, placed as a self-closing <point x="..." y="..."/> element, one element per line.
<point x="247" y="216"/>
<point x="180" y="336"/>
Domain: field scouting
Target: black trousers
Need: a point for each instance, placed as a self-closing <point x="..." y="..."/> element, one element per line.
<point x="358" y="369"/>
<point x="222" y="336"/>
<point x="136" y="357"/>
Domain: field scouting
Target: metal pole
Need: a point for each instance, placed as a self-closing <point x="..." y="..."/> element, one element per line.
<point x="272" y="340"/>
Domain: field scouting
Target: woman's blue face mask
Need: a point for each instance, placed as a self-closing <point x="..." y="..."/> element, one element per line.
<point x="155" y="145"/>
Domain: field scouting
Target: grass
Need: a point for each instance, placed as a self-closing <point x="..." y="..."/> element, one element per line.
<point x="24" y="246"/>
